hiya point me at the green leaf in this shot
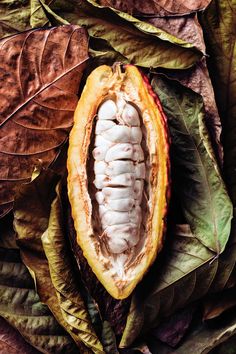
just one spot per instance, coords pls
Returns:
(21, 307)
(38, 217)
(41, 14)
(145, 26)
(14, 16)
(38, 17)
(219, 25)
(187, 265)
(196, 177)
(153, 47)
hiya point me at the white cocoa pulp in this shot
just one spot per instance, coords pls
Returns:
(119, 173)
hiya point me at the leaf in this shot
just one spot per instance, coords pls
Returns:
(38, 215)
(21, 306)
(153, 47)
(202, 340)
(11, 341)
(14, 16)
(219, 24)
(186, 28)
(172, 330)
(227, 347)
(109, 339)
(41, 14)
(198, 80)
(153, 7)
(40, 76)
(38, 17)
(196, 177)
(218, 303)
(197, 77)
(186, 264)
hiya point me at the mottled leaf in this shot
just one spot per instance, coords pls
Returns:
(187, 264)
(21, 306)
(219, 24)
(36, 219)
(196, 177)
(14, 16)
(40, 76)
(153, 47)
(186, 28)
(12, 342)
(154, 7)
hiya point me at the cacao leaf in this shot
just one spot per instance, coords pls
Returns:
(14, 17)
(41, 13)
(219, 24)
(38, 219)
(218, 303)
(196, 78)
(38, 17)
(11, 342)
(146, 27)
(109, 339)
(153, 7)
(21, 306)
(153, 47)
(187, 264)
(196, 177)
(40, 76)
(172, 330)
(200, 340)
(227, 347)
(204, 339)
(186, 28)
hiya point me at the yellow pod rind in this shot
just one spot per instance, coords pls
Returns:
(100, 82)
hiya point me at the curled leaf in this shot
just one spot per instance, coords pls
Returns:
(219, 25)
(20, 306)
(38, 222)
(153, 47)
(40, 76)
(153, 7)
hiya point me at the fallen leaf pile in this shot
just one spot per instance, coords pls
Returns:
(51, 302)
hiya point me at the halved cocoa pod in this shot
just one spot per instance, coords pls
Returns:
(118, 176)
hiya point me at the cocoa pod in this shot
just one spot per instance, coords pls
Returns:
(118, 176)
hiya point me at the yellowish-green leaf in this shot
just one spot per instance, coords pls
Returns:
(141, 43)
(33, 213)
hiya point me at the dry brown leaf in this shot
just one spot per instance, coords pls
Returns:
(154, 7)
(40, 75)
